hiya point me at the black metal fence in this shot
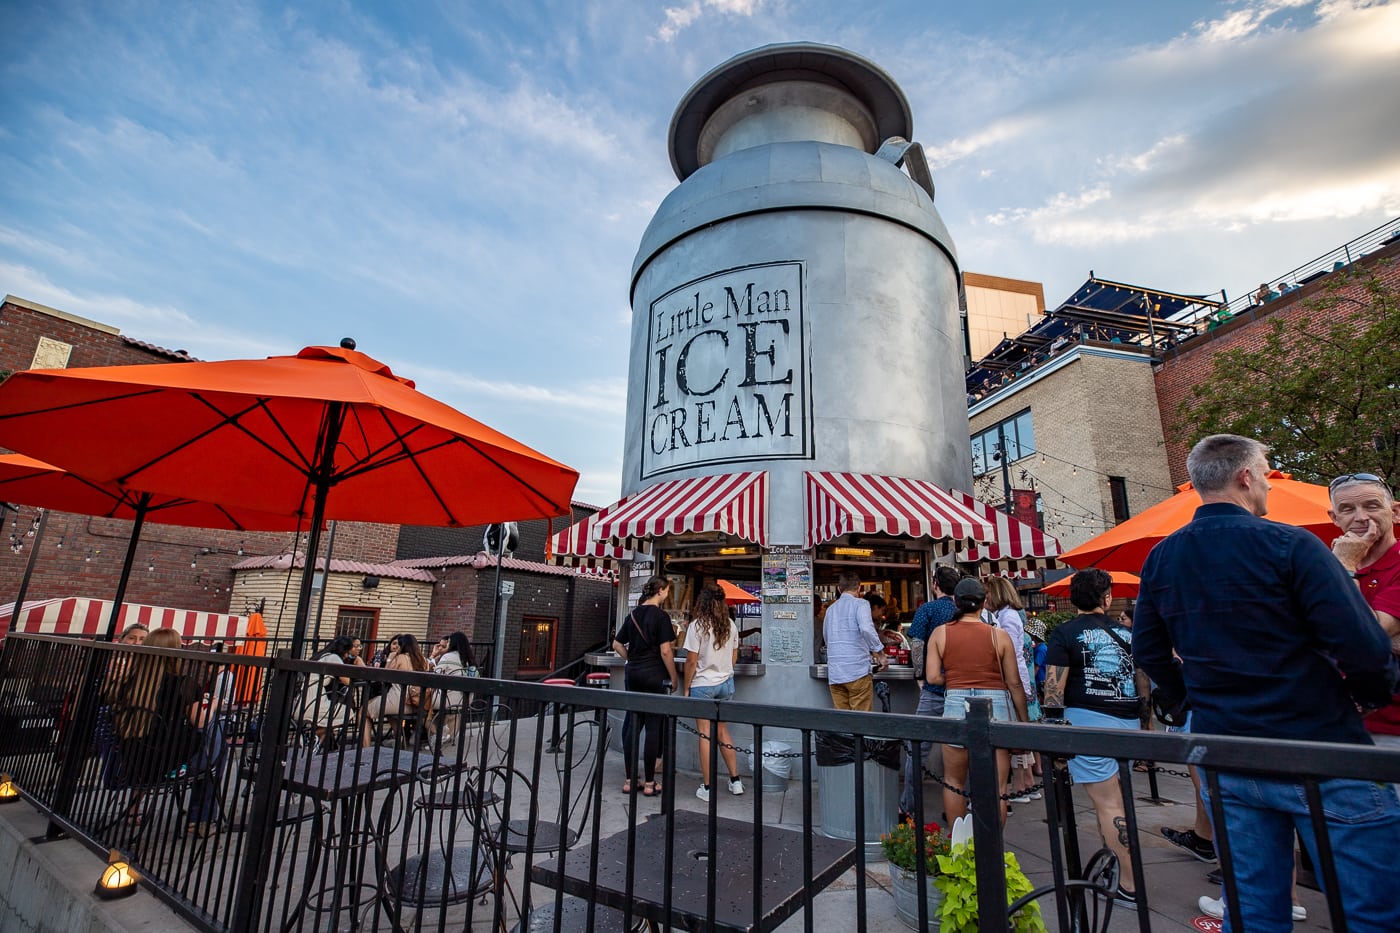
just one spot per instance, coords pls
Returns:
(256, 793)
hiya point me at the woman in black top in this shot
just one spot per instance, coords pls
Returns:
(644, 641)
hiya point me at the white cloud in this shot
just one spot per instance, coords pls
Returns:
(680, 18)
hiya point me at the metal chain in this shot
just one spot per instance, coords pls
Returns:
(1152, 767)
(962, 793)
(742, 751)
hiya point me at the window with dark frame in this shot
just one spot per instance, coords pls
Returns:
(1118, 488)
(1015, 435)
(537, 645)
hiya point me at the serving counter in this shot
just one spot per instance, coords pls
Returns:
(904, 690)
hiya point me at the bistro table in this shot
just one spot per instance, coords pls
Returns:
(345, 781)
(783, 877)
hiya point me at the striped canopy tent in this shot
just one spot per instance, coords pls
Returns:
(576, 547)
(87, 617)
(1018, 547)
(866, 503)
(731, 503)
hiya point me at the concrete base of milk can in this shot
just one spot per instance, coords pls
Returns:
(837, 803)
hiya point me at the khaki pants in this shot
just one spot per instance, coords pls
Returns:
(857, 695)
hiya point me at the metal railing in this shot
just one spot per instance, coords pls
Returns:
(1331, 261)
(271, 812)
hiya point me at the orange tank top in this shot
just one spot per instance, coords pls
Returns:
(970, 657)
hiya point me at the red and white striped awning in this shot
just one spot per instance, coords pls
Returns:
(81, 615)
(576, 547)
(1018, 546)
(842, 503)
(733, 503)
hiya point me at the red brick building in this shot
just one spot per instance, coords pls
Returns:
(1190, 363)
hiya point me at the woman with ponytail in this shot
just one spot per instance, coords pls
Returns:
(644, 642)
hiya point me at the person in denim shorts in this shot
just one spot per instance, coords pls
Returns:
(712, 645)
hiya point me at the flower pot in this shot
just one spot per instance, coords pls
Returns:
(905, 885)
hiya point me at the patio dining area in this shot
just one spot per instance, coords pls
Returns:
(499, 820)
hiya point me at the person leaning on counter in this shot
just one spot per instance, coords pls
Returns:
(852, 644)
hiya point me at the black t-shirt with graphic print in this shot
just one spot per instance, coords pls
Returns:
(1100, 671)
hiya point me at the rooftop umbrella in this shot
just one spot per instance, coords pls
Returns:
(1125, 585)
(735, 596)
(329, 432)
(1125, 546)
(33, 482)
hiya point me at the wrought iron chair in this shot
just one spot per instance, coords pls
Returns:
(1090, 898)
(578, 770)
(450, 855)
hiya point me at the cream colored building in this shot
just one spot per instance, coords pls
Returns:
(374, 601)
(1083, 431)
(998, 307)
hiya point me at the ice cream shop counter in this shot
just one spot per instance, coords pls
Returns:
(904, 690)
(612, 662)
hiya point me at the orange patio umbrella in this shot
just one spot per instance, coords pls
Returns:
(734, 595)
(327, 433)
(248, 680)
(33, 482)
(1125, 546)
(1125, 585)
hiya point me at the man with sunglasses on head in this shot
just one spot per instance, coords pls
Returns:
(1267, 637)
(1364, 508)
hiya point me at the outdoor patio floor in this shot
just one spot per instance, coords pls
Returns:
(1174, 879)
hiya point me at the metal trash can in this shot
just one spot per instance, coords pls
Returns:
(838, 796)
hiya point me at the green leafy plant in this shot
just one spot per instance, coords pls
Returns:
(901, 846)
(957, 880)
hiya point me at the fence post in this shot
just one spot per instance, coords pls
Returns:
(267, 788)
(984, 786)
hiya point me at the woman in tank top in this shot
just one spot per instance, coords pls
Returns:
(973, 659)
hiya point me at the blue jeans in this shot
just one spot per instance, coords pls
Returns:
(930, 704)
(1363, 825)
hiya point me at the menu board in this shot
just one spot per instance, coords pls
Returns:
(784, 638)
(636, 579)
(787, 575)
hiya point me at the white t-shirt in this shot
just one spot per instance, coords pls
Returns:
(713, 666)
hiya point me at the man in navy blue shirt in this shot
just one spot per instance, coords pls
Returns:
(1274, 641)
(929, 616)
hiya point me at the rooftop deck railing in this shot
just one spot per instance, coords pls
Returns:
(268, 811)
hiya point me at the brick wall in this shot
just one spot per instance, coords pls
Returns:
(1192, 362)
(464, 599)
(1093, 417)
(23, 323)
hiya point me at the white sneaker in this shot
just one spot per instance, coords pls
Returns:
(1023, 798)
(1215, 907)
(736, 786)
(1035, 795)
(702, 792)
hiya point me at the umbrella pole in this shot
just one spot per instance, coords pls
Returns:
(321, 476)
(143, 502)
(29, 568)
(325, 585)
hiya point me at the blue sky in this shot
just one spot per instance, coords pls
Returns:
(462, 186)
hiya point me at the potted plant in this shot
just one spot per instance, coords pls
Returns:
(957, 885)
(901, 850)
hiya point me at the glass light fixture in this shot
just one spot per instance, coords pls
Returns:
(118, 879)
(9, 793)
